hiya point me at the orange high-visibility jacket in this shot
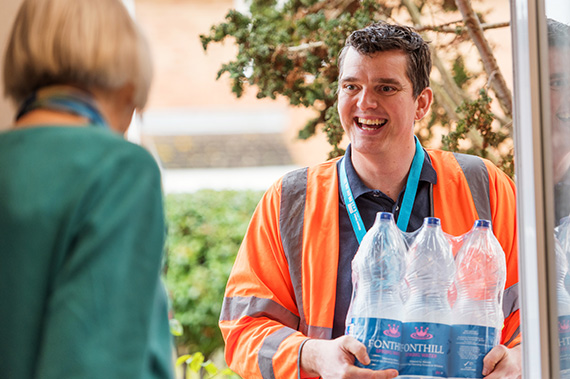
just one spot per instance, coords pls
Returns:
(282, 288)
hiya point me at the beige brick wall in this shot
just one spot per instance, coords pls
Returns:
(185, 74)
(9, 8)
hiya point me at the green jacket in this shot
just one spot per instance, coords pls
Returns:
(81, 244)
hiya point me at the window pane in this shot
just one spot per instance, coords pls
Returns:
(559, 85)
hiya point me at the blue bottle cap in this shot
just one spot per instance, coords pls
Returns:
(482, 224)
(385, 216)
(431, 221)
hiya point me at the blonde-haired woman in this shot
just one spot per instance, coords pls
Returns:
(81, 214)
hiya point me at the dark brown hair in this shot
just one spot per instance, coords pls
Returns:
(558, 33)
(382, 36)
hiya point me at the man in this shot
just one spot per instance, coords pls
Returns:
(287, 297)
(559, 61)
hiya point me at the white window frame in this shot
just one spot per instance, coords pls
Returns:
(535, 208)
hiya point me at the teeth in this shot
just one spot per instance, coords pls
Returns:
(563, 116)
(366, 121)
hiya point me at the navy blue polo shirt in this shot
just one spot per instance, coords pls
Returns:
(562, 198)
(370, 202)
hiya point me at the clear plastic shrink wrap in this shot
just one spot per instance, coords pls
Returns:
(562, 242)
(375, 313)
(433, 331)
(478, 310)
(429, 275)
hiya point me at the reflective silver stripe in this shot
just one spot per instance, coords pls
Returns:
(234, 308)
(510, 305)
(319, 332)
(291, 221)
(268, 350)
(515, 334)
(477, 177)
(511, 300)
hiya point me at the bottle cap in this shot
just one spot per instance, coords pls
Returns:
(482, 224)
(384, 215)
(431, 221)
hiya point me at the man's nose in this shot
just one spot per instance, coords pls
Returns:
(367, 100)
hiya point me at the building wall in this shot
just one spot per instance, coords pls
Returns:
(7, 15)
(185, 75)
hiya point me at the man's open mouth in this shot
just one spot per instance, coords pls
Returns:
(370, 124)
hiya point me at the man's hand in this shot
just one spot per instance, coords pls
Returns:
(503, 363)
(335, 359)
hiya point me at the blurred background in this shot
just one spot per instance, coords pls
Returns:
(218, 153)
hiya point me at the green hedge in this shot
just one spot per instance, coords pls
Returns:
(205, 230)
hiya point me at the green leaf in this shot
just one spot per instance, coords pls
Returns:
(182, 359)
(175, 327)
(210, 368)
(196, 361)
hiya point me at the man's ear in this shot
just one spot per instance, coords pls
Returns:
(423, 103)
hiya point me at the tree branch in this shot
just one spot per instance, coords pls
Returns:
(445, 100)
(305, 46)
(445, 28)
(455, 95)
(337, 6)
(492, 69)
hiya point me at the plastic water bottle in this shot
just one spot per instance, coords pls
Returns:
(375, 313)
(478, 311)
(426, 330)
(561, 246)
(562, 236)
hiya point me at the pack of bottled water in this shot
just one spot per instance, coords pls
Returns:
(422, 310)
(562, 248)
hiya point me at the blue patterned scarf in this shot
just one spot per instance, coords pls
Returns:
(64, 99)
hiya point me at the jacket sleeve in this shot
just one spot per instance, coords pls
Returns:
(503, 209)
(259, 317)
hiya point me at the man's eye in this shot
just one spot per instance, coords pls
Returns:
(559, 83)
(387, 89)
(349, 87)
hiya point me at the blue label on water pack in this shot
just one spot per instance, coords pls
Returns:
(564, 341)
(382, 339)
(425, 349)
(469, 345)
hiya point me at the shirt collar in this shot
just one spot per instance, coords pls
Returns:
(358, 188)
(565, 179)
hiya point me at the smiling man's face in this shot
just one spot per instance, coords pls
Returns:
(559, 64)
(376, 103)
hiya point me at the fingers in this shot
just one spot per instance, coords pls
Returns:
(356, 348)
(363, 373)
(335, 359)
(493, 357)
(388, 374)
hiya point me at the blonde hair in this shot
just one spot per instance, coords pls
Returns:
(84, 43)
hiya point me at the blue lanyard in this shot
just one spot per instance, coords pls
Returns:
(407, 201)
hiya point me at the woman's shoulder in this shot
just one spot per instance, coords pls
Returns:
(75, 148)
